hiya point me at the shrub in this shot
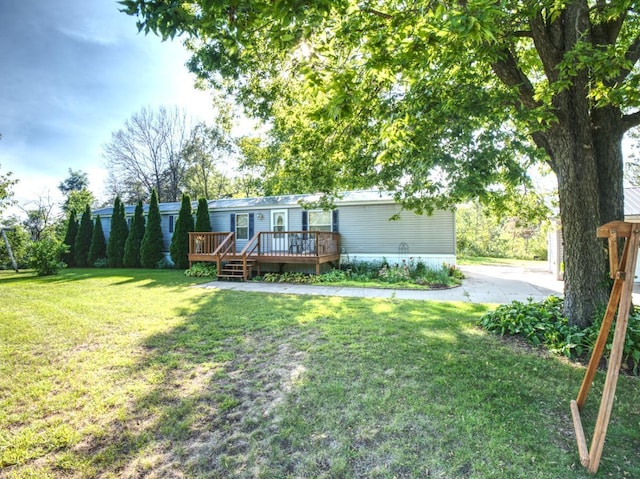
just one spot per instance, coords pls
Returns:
(70, 239)
(202, 270)
(117, 235)
(543, 323)
(151, 245)
(98, 249)
(101, 263)
(179, 247)
(83, 239)
(45, 256)
(132, 245)
(164, 263)
(203, 221)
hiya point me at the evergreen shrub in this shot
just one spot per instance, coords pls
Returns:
(151, 245)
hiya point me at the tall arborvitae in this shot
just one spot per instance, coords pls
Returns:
(83, 239)
(132, 246)
(70, 240)
(151, 246)
(117, 235)
(98, 249)
(179, 247)
(203, 221)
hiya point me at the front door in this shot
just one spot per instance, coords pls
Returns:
(279, 225)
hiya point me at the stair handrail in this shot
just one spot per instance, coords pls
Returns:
(228, 244)
(248, 250)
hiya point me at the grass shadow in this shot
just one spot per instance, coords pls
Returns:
(191, 382)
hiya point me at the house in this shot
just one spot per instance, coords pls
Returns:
(555, 242)
(277, 232)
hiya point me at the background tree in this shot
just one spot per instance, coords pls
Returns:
(258, 168)
(6, 183)
(98, 248)
(76, 181)
(205, 153)
(70, 239)
(147, 153)
(203, 220)
(40, 217)
(117, 235)
(75, 189)
(440, 102)
(19, 239)
(151, 245)
(83, 239)
(132, 245)
(179, 247)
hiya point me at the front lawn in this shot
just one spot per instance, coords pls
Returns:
(126, 373)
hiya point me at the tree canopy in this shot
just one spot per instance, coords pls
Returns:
(438, 101)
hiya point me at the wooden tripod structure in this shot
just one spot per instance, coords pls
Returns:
(623, 273)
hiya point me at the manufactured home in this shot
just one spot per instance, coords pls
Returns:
(278, 233)
(556, 245)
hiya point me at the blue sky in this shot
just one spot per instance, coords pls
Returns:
(71, 73)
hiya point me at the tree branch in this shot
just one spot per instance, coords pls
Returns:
(631, 120)
(377, 13)
(508, 71)
(549, 53)
(632, 55)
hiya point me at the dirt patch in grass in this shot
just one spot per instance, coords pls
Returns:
(209, 420)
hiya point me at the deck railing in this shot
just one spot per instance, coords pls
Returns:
(269, 245)
(293, 243)
(205, 243)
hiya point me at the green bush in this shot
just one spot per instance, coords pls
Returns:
(98, 248)
(83, 239)
(45, 256)
(202, 270)
(117, 235)
(543, 324)
(101, 263)
(132, 245)
(70, 239)
(151, 245)
(203, 221)
(179, 247)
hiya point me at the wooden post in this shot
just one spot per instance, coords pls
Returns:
(620, 299)
(9, 250)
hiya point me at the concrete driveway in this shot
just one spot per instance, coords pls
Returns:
(483, 284)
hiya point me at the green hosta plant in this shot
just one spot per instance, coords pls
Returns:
(544, 324)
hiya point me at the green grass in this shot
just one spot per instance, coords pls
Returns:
(123, 373)
(488, 261)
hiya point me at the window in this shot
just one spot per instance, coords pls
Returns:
(242, 226)
(319, 220)
(171, 224)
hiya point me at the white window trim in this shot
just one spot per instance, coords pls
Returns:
(238, 215)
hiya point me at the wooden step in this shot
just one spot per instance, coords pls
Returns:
(234, 269)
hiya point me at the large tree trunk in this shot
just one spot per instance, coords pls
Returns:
(607, 139)
(584, 259)
(575, 159)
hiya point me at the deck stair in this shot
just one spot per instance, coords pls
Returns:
(233, 270)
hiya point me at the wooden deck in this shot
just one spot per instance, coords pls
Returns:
(287, 247)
